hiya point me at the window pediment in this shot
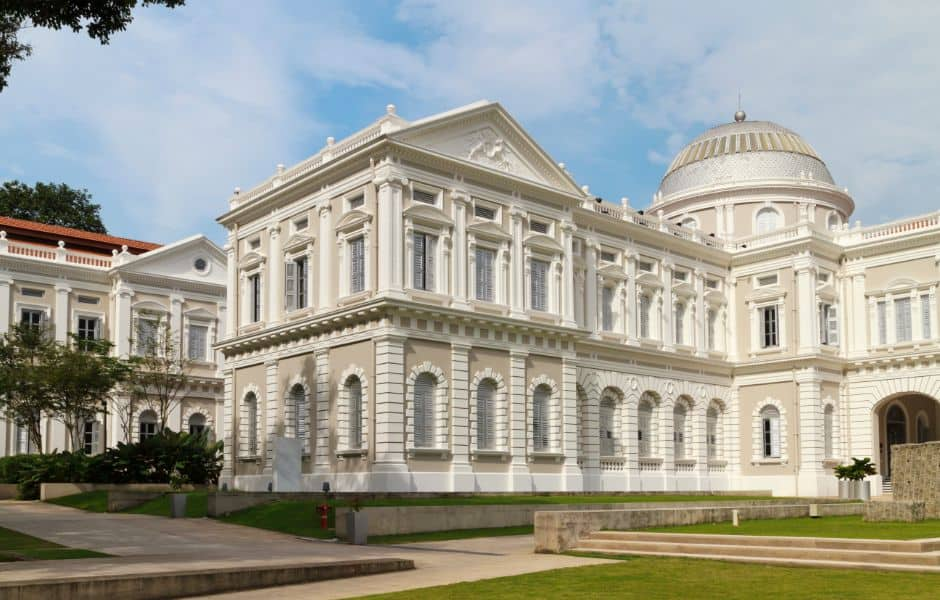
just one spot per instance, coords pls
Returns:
(714, 297)
(251, 260)
(612, 272)
(684, 289)
(826, 292)
(489, 230)
(199, 314)
(649, 280)
(353, 220)
(297, 242)
(538, 241)
(773, 292)
(429, 215)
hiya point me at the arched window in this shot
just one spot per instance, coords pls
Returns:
(608, 440)
(644, 316)
(541, 401)
(250, 424)
(90, 437)
(424, 389)
(923, 429)
(828, 425)
(679, 432)
(689, 222)
(197, 424)
(486, 415)
(644, 432)
(833, 222)
(711, 432)
(767, 220)
(148, 424)
(770, 432)
(354, 423)
(298, 404)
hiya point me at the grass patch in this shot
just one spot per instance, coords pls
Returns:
(851, 526)
(19, 546)
(196, 503)
(296, 517)
(90, 501)
(456, 534)
(494, 500)
(668, 578)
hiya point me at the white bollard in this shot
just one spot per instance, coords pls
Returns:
(735, 521)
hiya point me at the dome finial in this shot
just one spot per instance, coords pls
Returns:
(740, 115)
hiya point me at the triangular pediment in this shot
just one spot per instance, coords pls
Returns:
(648, 280)
(489, 230)
(352, 220)
(487, 136)
(195, 258)
(612, 271)
(538, 241)
(428, 214)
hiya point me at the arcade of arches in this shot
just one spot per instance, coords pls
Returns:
(904, 419)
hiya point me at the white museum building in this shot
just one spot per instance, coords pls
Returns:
(97, 286)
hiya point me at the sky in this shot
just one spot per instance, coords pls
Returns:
(187, 104)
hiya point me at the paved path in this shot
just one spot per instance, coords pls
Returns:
(143, 544)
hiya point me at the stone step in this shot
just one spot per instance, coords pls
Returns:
(717, 550)
(923, 545)
(781, 562)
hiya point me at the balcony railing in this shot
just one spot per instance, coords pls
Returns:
(61, 254)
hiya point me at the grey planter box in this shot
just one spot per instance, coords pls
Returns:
(357, 527)
(864, 490)
(178, 505)
(845, 491)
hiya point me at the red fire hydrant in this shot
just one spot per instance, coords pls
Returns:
(324, 510)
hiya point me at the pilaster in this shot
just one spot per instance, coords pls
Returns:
(6, 289)
(231, 287)
(391, 234)
(176, 322)
(321, 452)
(122, 320)
(460, 402)
(517, 274)
(519, 472)
(461, 202)
(590, 306)
(272, 401)
(275, 276)
(806, 308)
(327, 251)
(228, 425)
(567, 231)
(632, 307)
(811, 444)
(569, 425)
(62, 312)
(390, 469)
(667, 335)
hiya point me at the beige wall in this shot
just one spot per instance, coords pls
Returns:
(362, 355)
(536, 365)
(755, 397)
(920, 270)
(253, 375)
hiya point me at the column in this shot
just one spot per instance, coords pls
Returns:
(633, 310)
(666, 334)
(176, 324)
(61, 315)
(327, 249)
(272, 403)
(591, 465)
(461, 203)
(517, 276)
(730, 431)
(567, 232)
(231, 288)
(275, 281)
(700, 315)
(122, 319)
(519, 472)
(6, 287)
(321, 451)
(590, 301)
(228, 426)
(860, 315)
(390, 472)
(391, 235)
(731, 322)
(221, 331)
(811, 428)
(460, 403)
(806, 308)
(572, 480)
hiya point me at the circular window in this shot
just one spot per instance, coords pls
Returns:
(200, 264)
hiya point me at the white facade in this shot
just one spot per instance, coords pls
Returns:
(78, 286)
(451, 312)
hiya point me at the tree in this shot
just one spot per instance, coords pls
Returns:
(82, 376)
(160, 375)
(25, 353)
(52, 204)
(100, 19)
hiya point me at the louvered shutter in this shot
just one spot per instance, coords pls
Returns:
(539, 271)
(486, 393)
(95, 436)
(418, 262)
(680, 323)
(354, 390)
(290, 285)
(301, 282)
(300, 413)
(645, 420)
(925, 316)
(357, 277)
(832, 325)
(484, 261)
(540, 418)
(775, 435)
(430, 262)
(424, 411)
(606, 429)
(608, 309)
(644, 316)
(882, 322)
(902, 319)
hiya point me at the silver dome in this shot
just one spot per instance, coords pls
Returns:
(740, 152)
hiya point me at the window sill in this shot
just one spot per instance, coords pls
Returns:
(251, 327)
(488, 307)
(688, 462)
(768, 461)
(684, 348)
(717, 354)
(650, 342)
(542, 316)
(248, 459)
(298, 313)
(429, 296)
(429, 453)
(200, 362)
(352, 453)
(768, 350)
(502, 455)
(353, 298)
(717, 463)
(542, 456)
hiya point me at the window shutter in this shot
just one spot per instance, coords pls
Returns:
(902, 319)
(925, 316)
(418, 262)
(430, 262)
(643, 429)
(485, 417)
(775, 436)
(357, 277)
(540, 418)
(644, 316)
(424, 411)
(290, 285)
(301, 286)
(833, 326)
(95, 436)
(679, 324)
(882, 322)
(608, 309)
(354, 390)
(484, 261)
(539, 271)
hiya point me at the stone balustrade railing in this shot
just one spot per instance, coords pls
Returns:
(61, 254)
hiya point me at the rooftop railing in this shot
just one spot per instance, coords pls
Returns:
(61, 254)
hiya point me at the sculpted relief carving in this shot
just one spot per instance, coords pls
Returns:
(488, 149)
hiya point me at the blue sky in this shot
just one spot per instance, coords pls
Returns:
(185, 105)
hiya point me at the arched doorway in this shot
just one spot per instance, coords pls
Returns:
(904, 419)
(895, 433)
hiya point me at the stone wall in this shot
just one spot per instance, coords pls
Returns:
(915, 472)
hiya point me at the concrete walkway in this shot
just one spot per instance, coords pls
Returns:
(146, 544)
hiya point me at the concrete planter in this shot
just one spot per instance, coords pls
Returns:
(844, 489)
(178, 505)
(357, 527)
(864, 490)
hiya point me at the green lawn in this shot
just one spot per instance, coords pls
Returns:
(669, 578)
(19, 546)
(834, 527)
(456, 534)
(490, 500)
(91, 501)
(296, 517)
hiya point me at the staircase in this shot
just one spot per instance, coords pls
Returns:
(885, 486)
(892, 555)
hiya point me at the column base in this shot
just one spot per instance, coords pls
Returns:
(391, 477)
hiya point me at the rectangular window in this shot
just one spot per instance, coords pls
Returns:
(357, 202)
(33, 292)
(766, 280)
(254, 243)
(90, 436)
(295, 284)
(608, 257)
(147, 336)
(646, 266)
(89, 329)
(925, 316)
(607, 320)
(425, 197)
(538, 227)
(711, 284)
(301, 224)
(357, 265)
(644, 316)
(680, 324)
(88, 300)
(882, 322)
(32, 317)
(902, 320)
(828, 325)
(254, 291)
(484, 212)
(425, 250)
(680, 276)
(198, 342)
(539, 285)
(712, 318)
(484, 276)
(769, 327)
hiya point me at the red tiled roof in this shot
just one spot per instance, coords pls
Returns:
(54, 233)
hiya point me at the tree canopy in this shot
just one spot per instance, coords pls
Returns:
(99, 18)
(51, 203)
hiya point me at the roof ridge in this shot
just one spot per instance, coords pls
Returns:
(76, 233)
